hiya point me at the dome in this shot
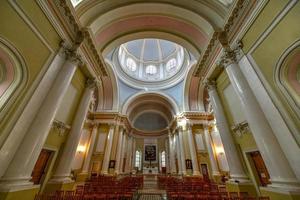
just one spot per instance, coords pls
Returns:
(150, 59)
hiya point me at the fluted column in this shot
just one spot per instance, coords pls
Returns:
(192, 148)
(90, 150)
(107, 152)
(178, 153)
(119, 150)
(128, 155)
(63, 170)
(211, 154)
(182, 151)
(235, 166)
(20, 169)
(171, 153)
(281, 174)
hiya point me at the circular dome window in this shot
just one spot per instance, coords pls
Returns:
(131, 64)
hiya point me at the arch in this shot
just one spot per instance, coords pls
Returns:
(110, 90)
(14, 75)
(184, 42)
(154, 96)
(287, 78)
(192, 91)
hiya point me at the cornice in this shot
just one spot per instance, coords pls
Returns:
(241, 10)
(63, 19)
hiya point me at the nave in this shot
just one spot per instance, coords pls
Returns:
(148, 187)
(138, 99)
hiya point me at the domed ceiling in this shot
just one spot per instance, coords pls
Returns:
(150, 59)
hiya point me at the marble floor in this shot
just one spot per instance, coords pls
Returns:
(150, 190)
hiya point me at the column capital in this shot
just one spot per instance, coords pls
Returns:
(70, 52)
(90, 83)
(210, 84)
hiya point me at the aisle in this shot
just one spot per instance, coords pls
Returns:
(150, 189)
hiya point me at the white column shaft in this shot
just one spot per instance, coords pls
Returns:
(178, 150)
(193, 152)
(20, 128)
(107, 152)
(211, 154)
(182, 151)
(123, 153)
(235, 166)
(90, 150)
(63, 170)
(21, 167)
(119, 151)
(172, 155)
(274, 158)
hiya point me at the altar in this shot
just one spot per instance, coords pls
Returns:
(150, 170)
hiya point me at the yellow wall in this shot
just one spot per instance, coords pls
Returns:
(267, 54)
(24, 38)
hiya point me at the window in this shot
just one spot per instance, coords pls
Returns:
(151, 70)
(171, 64)
(163, 159)
(75, 2)
(138, 159)
(130, 64)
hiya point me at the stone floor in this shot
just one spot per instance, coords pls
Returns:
(150, 190)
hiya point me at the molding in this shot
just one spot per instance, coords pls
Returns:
(240, 128)
(61, 127)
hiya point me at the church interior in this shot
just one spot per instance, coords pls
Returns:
(149, 99)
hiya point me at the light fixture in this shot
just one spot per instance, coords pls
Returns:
(81, 148)
(219, 150)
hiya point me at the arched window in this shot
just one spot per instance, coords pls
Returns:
(138, 159)
(151, 69)
(163, 159)
(171, 65)
(130, 64)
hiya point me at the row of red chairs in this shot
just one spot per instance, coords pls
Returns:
(196, 188)
(99, 188)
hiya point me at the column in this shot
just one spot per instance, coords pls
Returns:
(123, 152)
(107, 152)
(128, 155)
(20, 169)
(63, 170)
(212, 158)
(87, 160)
(235, 166)
(192, 148)
(182, 151)
(281, 174)
(27, 116)
(119, 150)
(178, 153)
(132, 163)
(172, 154)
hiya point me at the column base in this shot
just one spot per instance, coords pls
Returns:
(22, 192)
(53, 186)
(197, 173)
(82, 177)
(279, 193)
(241, 187)
(217, 178)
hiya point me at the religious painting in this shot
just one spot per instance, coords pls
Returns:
(112, 164)
(188, 163)
(150, 153)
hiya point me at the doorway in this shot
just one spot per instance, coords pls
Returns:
(41, 166)
(204, 171)
(260, 168)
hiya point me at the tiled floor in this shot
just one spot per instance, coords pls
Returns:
(150, 190)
